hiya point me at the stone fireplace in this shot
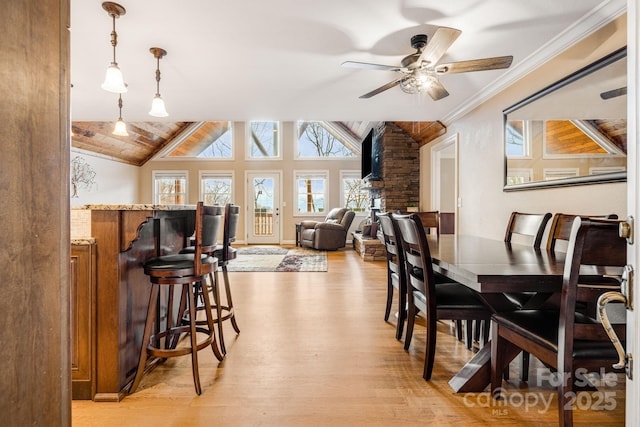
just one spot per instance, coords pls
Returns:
(398, 187)
(400, 183)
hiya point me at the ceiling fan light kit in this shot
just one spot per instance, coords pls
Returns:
(421, 69)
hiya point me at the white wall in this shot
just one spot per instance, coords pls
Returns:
(115, 182)
(485, 208)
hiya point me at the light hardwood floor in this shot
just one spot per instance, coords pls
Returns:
(315, 351)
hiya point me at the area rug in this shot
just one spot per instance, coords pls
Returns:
(278, 258)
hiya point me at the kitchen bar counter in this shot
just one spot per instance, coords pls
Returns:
(138, 207)
(125, 236)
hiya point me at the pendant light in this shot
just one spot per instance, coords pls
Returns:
(120, 128)
(114, 81)
(157, 105)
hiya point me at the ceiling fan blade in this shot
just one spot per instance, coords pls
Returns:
(484, 64)
(613, 93)
(438, 45)
(437, 91)
(381, 89)
(369, 66)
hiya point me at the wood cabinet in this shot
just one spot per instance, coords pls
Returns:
(82, 286)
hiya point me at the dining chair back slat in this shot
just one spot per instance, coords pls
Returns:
(566, 339)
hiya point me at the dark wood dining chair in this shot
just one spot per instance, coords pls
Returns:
(560, 228)
(396, 277)
(530, 228)
(188, 271)
(451, 301)
(563, 338)
(430, 221)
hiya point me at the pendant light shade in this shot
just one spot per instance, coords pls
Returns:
(114, 81)
(120, 128)
(157, 105)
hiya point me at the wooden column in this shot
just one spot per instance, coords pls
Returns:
(34, 218)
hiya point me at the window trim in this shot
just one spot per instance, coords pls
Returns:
(167, 173)
(327, 128)
(248, 141)
(162, 155)
(204, 174)
(351, 174)
(299, 173)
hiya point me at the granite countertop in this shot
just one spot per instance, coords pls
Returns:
(83, 241)
(138, 207)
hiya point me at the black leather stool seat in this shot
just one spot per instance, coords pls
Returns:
(178, 264)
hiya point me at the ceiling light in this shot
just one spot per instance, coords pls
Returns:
(120, 128)
(417, 82)
(157, 105)
(113, 80)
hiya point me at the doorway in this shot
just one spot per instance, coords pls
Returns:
(444, 182)
(263, 202)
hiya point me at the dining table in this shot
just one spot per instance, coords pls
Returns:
(492, 267)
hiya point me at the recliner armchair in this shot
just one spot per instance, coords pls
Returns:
(330, 234)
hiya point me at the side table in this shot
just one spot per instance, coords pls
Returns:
(298, 231)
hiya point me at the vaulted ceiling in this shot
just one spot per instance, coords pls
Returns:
(281, 60)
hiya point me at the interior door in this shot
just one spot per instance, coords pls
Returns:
(263, 202)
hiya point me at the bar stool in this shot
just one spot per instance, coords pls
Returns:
(223, 253)
(226, 253)
(188, 271)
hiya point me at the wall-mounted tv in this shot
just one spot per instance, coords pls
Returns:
(371, 161)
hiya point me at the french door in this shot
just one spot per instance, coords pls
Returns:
(263, 202)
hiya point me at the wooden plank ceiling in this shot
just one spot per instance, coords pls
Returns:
(146, 139)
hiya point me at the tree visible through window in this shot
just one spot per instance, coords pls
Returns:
(264, 140)
(354, 196)
(216, 189)
(170, 188)
(314, 140)
(311, 190)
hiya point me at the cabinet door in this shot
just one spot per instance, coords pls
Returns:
(82, 293)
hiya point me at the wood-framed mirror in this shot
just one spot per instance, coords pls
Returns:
(573, 132)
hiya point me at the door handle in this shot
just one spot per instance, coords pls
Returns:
(625, 360)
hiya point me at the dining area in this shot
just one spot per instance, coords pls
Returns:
(526, 298)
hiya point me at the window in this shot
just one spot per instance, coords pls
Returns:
(170, 187)
(517, 139)
(550, 174)
(216, 188)
(317, 140)
(264, 140)
(204, 140)
(310, 191)
(519, 176)
(352, 192)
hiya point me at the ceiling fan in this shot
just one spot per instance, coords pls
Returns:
(614, 93)
(420, 70)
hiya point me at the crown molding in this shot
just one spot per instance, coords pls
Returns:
(597, 18)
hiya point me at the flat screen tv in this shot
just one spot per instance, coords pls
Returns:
(371, 160)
